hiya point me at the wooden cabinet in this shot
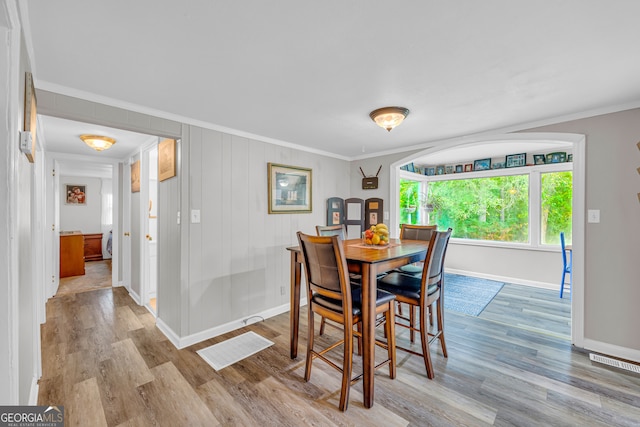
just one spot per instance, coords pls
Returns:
(71, 254)
(93, 247)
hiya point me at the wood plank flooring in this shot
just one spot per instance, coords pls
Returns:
(107, 363)
(97, 275)
(531, 308)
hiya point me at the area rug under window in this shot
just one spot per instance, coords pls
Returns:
(469, 295)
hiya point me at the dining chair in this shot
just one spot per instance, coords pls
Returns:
(422, 292)
(335, 230)
(566, 264)
(331, 295)
(414, 232)
(332, 230)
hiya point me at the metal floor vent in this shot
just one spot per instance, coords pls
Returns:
(615, 363)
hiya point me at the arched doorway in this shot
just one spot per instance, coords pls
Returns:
(577, 143)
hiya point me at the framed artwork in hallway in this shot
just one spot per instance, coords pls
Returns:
(76, 194)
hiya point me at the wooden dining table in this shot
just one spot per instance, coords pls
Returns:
(368, 262)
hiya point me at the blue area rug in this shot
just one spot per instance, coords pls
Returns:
(469, 295)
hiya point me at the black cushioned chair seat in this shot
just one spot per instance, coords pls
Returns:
(404, 285)
(382, 297)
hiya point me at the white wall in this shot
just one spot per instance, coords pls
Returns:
(18, 319)
(237, 263)
(85, 218)
(9, 66)
(612, 250)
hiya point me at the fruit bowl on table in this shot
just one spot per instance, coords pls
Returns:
(376, 235)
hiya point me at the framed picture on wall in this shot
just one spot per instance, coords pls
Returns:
(30, 115)
(135, 177)
(166, 159)
(76, 194)
(289, 189)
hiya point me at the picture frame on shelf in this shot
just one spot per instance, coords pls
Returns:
(411, 168)
(458, 168)
(431, 171)
(515, 160)
(468, 167)
(440, 170)
(289, 189)
(569, 157)
(557, 157)
(449, 169)
(482, 165)
(497, 165)
(539, 159)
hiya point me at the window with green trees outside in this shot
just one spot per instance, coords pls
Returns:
(555, 210)
(494, 208)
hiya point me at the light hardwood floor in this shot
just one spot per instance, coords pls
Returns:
(97, 275)
(107, 363)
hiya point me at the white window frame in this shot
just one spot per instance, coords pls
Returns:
(535, 207)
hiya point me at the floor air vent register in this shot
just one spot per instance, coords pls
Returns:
(614, 362)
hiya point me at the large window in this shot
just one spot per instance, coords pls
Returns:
(529, 205)
(555, 207)
(495, 208)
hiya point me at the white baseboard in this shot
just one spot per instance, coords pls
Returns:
(168, 332)
(182, 342)
(612, 350)
(543, 285)
(135, 296)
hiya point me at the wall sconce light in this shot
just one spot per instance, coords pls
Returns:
(389, 117)
(98, 142)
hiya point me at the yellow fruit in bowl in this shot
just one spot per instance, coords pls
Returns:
(375, 240)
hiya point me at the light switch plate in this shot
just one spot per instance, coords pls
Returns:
(195, 216)
(593, 215)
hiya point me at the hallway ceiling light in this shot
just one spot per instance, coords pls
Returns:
(98, 142)
(389, 117)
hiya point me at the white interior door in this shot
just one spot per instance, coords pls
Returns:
(125, 233)
(150, 216)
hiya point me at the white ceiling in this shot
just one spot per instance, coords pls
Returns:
(309, 73)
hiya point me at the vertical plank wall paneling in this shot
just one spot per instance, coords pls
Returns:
(196, 255)
(170, 301)
(238, 261)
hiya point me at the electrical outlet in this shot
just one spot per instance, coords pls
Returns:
(282, 290)
(593, 216)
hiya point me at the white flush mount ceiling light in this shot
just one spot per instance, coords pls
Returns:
(389, 117)
(98, 142)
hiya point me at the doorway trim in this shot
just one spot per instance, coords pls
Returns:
(52, 263)
(578, 142)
